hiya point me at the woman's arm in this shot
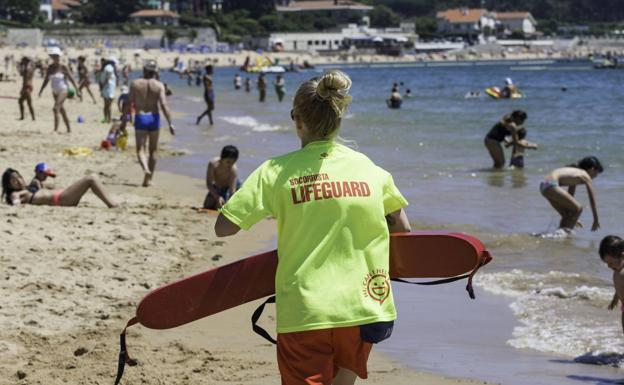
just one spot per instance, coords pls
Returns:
(513, 129)
(398, 222)
(224, 227)
(45, 81)
(592, 202)
(15, 199)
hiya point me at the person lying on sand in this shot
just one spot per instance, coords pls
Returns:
(15, 192)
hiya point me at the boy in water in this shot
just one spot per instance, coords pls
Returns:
(517, 154)
(222, 178)
(611, 252)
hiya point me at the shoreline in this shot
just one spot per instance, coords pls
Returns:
(165, 59)
(75, 275)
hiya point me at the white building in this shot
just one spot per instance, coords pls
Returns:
(470, 23)
(55, 11)
(522, 22)
(331, 41)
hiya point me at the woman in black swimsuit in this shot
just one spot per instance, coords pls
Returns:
(508, 125)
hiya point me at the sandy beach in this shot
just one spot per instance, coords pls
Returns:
(72, 276)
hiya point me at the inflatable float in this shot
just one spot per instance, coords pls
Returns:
(496, 93)
(412, 255)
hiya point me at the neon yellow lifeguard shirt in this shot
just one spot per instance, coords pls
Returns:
(330, 203)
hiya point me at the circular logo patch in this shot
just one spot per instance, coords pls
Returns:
(377, 286)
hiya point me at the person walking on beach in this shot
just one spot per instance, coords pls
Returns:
(262, 86)
(58, 74)
(563, 201)
(507, 126)
(27, 72)
(327, 259)
(280, 87)
(147, 95)
(247, 85)
(15, 192)
(209, 96)
(83, 78)
(108, 81)
(238, 82)
(611, 251)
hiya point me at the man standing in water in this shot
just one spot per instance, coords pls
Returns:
(146, 95)
(262, 85)
(209, 96)
(26, 71)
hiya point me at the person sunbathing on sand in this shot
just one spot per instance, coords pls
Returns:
(15, 192)
(563, 201)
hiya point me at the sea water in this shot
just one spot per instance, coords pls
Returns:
(548, 294)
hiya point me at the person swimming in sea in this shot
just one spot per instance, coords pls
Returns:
(16, 192)
(552, 188)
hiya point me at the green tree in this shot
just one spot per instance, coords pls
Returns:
(256, 8)
(383, 16)
(23, 11)
(171, 35)
(106, 11)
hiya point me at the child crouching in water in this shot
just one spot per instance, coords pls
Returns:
(552, 188)
(222, 178)
(517, 153)
(611, 252)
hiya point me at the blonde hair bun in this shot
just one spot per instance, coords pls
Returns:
(333, 87)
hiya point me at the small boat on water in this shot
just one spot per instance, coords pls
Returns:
(608, 62)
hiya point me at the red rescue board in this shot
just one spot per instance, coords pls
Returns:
(412, 255)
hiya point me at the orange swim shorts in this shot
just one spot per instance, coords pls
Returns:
(314, 357)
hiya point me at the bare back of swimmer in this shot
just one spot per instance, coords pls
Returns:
(148, 96)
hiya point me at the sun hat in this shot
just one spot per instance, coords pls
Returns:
(508, 81)
(150, 65)
(55, 51)
(124, 89)
(113, 59)
(42, 167)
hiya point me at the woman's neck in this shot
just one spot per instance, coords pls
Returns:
(307, 140)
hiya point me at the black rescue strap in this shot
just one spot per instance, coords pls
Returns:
(264, 334)
(256, 316)
(124, 358)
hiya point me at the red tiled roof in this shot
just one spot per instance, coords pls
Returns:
(323, 5)
(512, 15)
(154, 13)
(462, 15)
(64, 5)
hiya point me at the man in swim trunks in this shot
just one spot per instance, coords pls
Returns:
(611, 251)
(147, 95)
(209, 96)
(26, 71)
